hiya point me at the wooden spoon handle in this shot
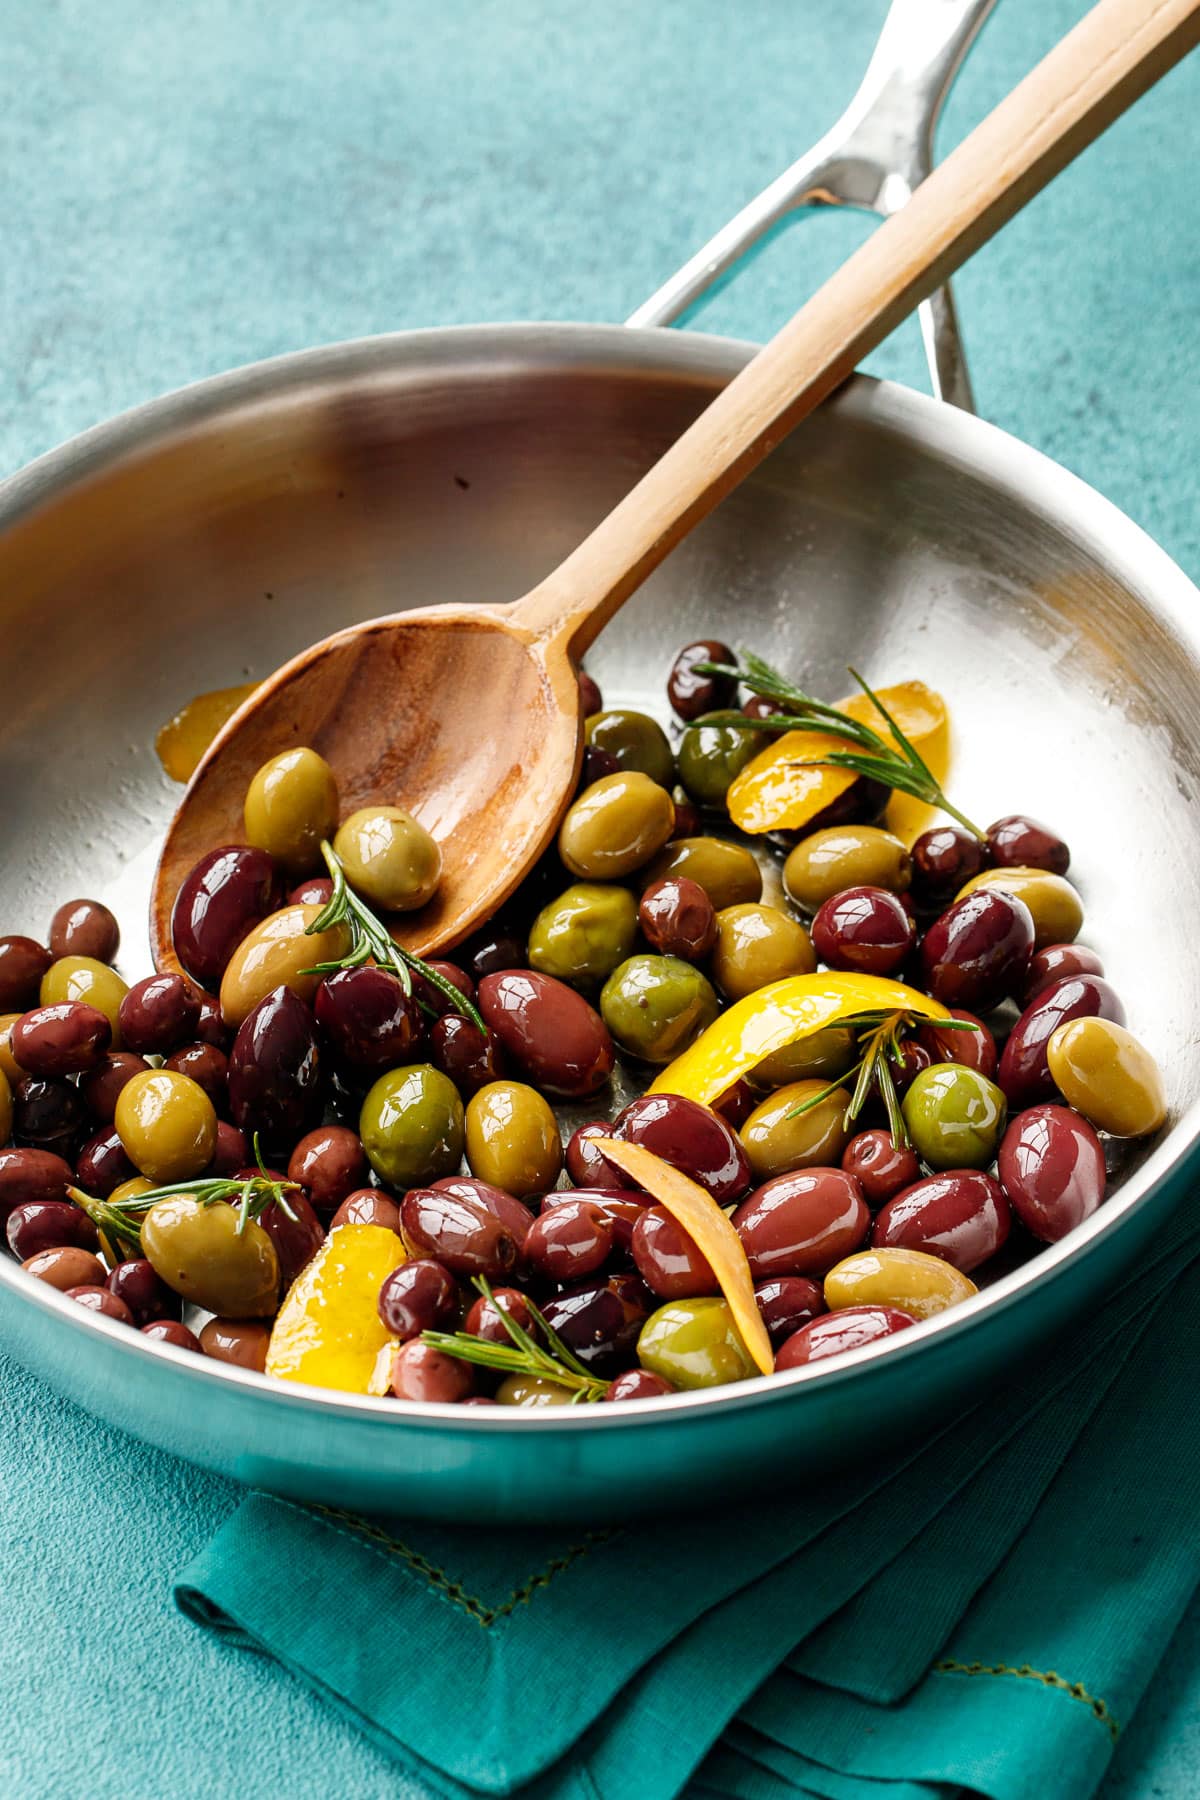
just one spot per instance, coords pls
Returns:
(1117, 51)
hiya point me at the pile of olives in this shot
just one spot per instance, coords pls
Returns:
(437, 1107)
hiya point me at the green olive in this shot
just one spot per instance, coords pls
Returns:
(1107, 1075)
(1055, 906)
(845, 856)
(655, 1006)
(278, 953)
(83, 978)
(584, 934)
(129, 1190)
(695, 1344)
(531, 1390)
(727, 872)
(955, 1116)
(822, 1056)
(167, 1125)
(776, 1142)
(756, 945)
(635, 741)
(6, 1110)
(291, 804)
(711, 754)
(615, 825)
(205, 1254)
(512, 1139)
(411, 1126)
(389, 858)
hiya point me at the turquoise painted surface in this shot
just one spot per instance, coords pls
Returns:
(191, 186)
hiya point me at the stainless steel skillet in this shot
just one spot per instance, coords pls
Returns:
(222, 528)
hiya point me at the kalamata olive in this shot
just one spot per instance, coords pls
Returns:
(515, 1217)
(878, 1166)
(692, 693)
(458, 1232)
(459, 1049)
(1054, 962)
(758, 706)
(590, 698)
(101, 1086)
(667, 1259)
(275, 1071)
(31, 1175)
(586, 1165)
(48, 1114)
(329, 1163)
(1024, 1072)
(370, 1022)
(207, 1066)
(549, 1030)
(1051, 1166)
(242, 1342)
(421, 1373)
(45, 1224)
(231, 1152)
(98, 1299)
(222, 898)
(943, 858)
(173, 1331)
(66, 1266)
(493, 950)
(60, 1040)
(835, 1333)
(420, 1295)
(637, 1384)
(688, 823)
(801, 1224)
(977, 952)
(695, 1343)
(296, 1238)
(800, 1126)
(428, 995)
(570, 1241)
(85, 928)
(1054, 905)
(786, 1302)
(914, 1060)
(159, 1014)
(600, 1322)
(210, 1028)
(23, 962)
(864, 929)
(974, 1049)
(206, 1254)
(691, 1138)
(678, 918)
(389, 857)
(314, 890)
(736, 1104)
(368, 1206)
(290, 805)
(102, 1165)
(1022, 843)
(960, 1215)
(597, 763)
(911, 1280)
(621, 1208)
(147, 1298)
(484, 1318)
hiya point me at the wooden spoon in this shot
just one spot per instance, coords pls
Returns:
(470, 716)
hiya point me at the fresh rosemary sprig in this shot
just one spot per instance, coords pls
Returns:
(370, 938)
(881, 1044)
(897, 765)
(121, 1220)
(521, 1356)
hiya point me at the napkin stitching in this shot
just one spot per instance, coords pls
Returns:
(1048, 1677)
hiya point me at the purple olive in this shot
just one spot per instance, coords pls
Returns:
(736, 1104)
(637, 1384)
(678, 919)
(147, 1298)
(1020, 843)
(914, 1057)
(458, 1232)
(102, 1165)
(880, 1169)
(864, 929)
(419, 1296)
(98, 1299)
(1051, 1166)
(48, 1225)
(208, 1068)
(85, 928)
(1024, 1073)
(600, 1322)
(688, 822)
(672, 1266)
(972, 1049)
(368, 1206)
(67, 1039)
(944, 859)
(31, 1175)
(232, 1150)
(329, 1163)
(314, 890)
(221, 900)
(569, 1241)
(802, 1223)
(692, 693)
(370, 1022)
(692, 1138)
(515, 1217)
(977, 952)
(210, 1027)
(836, 1332)
(493, 950)
(172, 1331)
(427, 995)
(586, 1165)
(296, 1238)
(23, 962)
(159, 1014)
(1054, 961)
(597, 763)
(786, 1302)
(484, 1319)
(550, 1031)
(960, 1215)
(459, 1049)
(49, 1114)
(430, 1376)
(620, 1207)
(101, 1086)
(275, 1071)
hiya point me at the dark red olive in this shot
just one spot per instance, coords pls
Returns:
(1055, 961)
(370, 1022)
(835, 1333)
(23, 962)
(736, 1104)
(1020, 843)
(419, 1296)
(590, 698)
(232, 1150)
(558, 1040)
(692, 693)
(242, 1342)
(102, 1165)
(977, 952)
(669, 1262)
(637, 1384)
(493, 950)
(677, 918)
(98, 1299)
(1024, 1073)
(46, 1225)
(210, 1027)
(802, 1223)
(569, 1241)
(586, 1165)
(85, 928)
(159, 1014)
(296, 1236)
(863, 929)
(329, 1163)
(600, 1322)
(65, 1039)
(758, 706)
(421, 1373)
(144, 1294)
(221, 900)
(275, 1071)
(974, 1049)
(66, 1266)
(1051, 1166)
(597, 763)
(173, 1331)
(620, 1207)
(459, 1232)
(786, 1302)
(913, 1058)
(49, 1114)
(208, 1068)
(367, 1206)
(515, 1217)
(31, 1175)
(691, 1138)
(687, 816)
(101, 1086)
(960, 1215)
(878, 1166)
(432, 997)
(944, 859)
(316, 890)
(484, 1319)
(459, 1049)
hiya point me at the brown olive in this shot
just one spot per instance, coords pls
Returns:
(329, 1163)
(367, 1206)
(85, 928)
(692, 693)
(103, 1084)
(61, 1040)
(243, 1342)
(677, 919)
(549, 1030)
(66, 1266)
(23, 962)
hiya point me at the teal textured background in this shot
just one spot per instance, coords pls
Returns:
(191, 186)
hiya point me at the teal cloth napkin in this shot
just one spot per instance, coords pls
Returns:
(985, 1609)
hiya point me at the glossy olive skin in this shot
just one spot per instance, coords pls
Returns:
(1017, 841)
(45, 1224)
(590, 698)
(777, 1144)
(223, 897)
(459, 1233)
(678, 919)
(943, 858)
(65, 1267)
(430, 1376)
(955, 1116)
(242, 1342)
(147, 1298)
(1054, 905)
(314, 890)
(569, 1241)
(291, 804)
(600, 1321)
(736, 1104)
(60, 1040)
(200, 1253)
(485, 1319)
(910, 1280)
(615, 826)
(621, 1208)
(232, 1150)
(368, 1206)
(512, 1213)
(98, 1299)
(824, 1055)
(586, 1166)
(637, 1384)
(279, 952)
(687, 815)
(427, 994)
(692, 693)
(756, 945)
(803, 1223)
(667, 1259)
(962, 1216)
(727, 872)
(711, 753)
(84, 928)
(864, 929)
(977, 952)
(102, 1165)
(296, 1234)
(419, 1296)
(1024, 1072)
(30, 1174)
(974, 1049)
(209, 1026)
(692, 1138)
(411, 1126)
(583, 934)
(460, 1050)
(48, 1114)
(1051, 1166)
(275, 1071)
(207, 1066)
(1054, 962)
(914, 1059)
(159, 1014)
(655, 1006)
(23, 962)
(499, 946)
(835, 1333)
(84, 978)
(694, 1344)
(512, 1138)
(530, 1391)
(329, 1162)
(173, 1331)
(367, 1018)
(101, 1086)
(1102, 1070)
(786, 1302)
(549, 1030)
(844, 856)
(6, 1108)
(636, 741)
(10, 1068)
(880, 1169)
(389, 858)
